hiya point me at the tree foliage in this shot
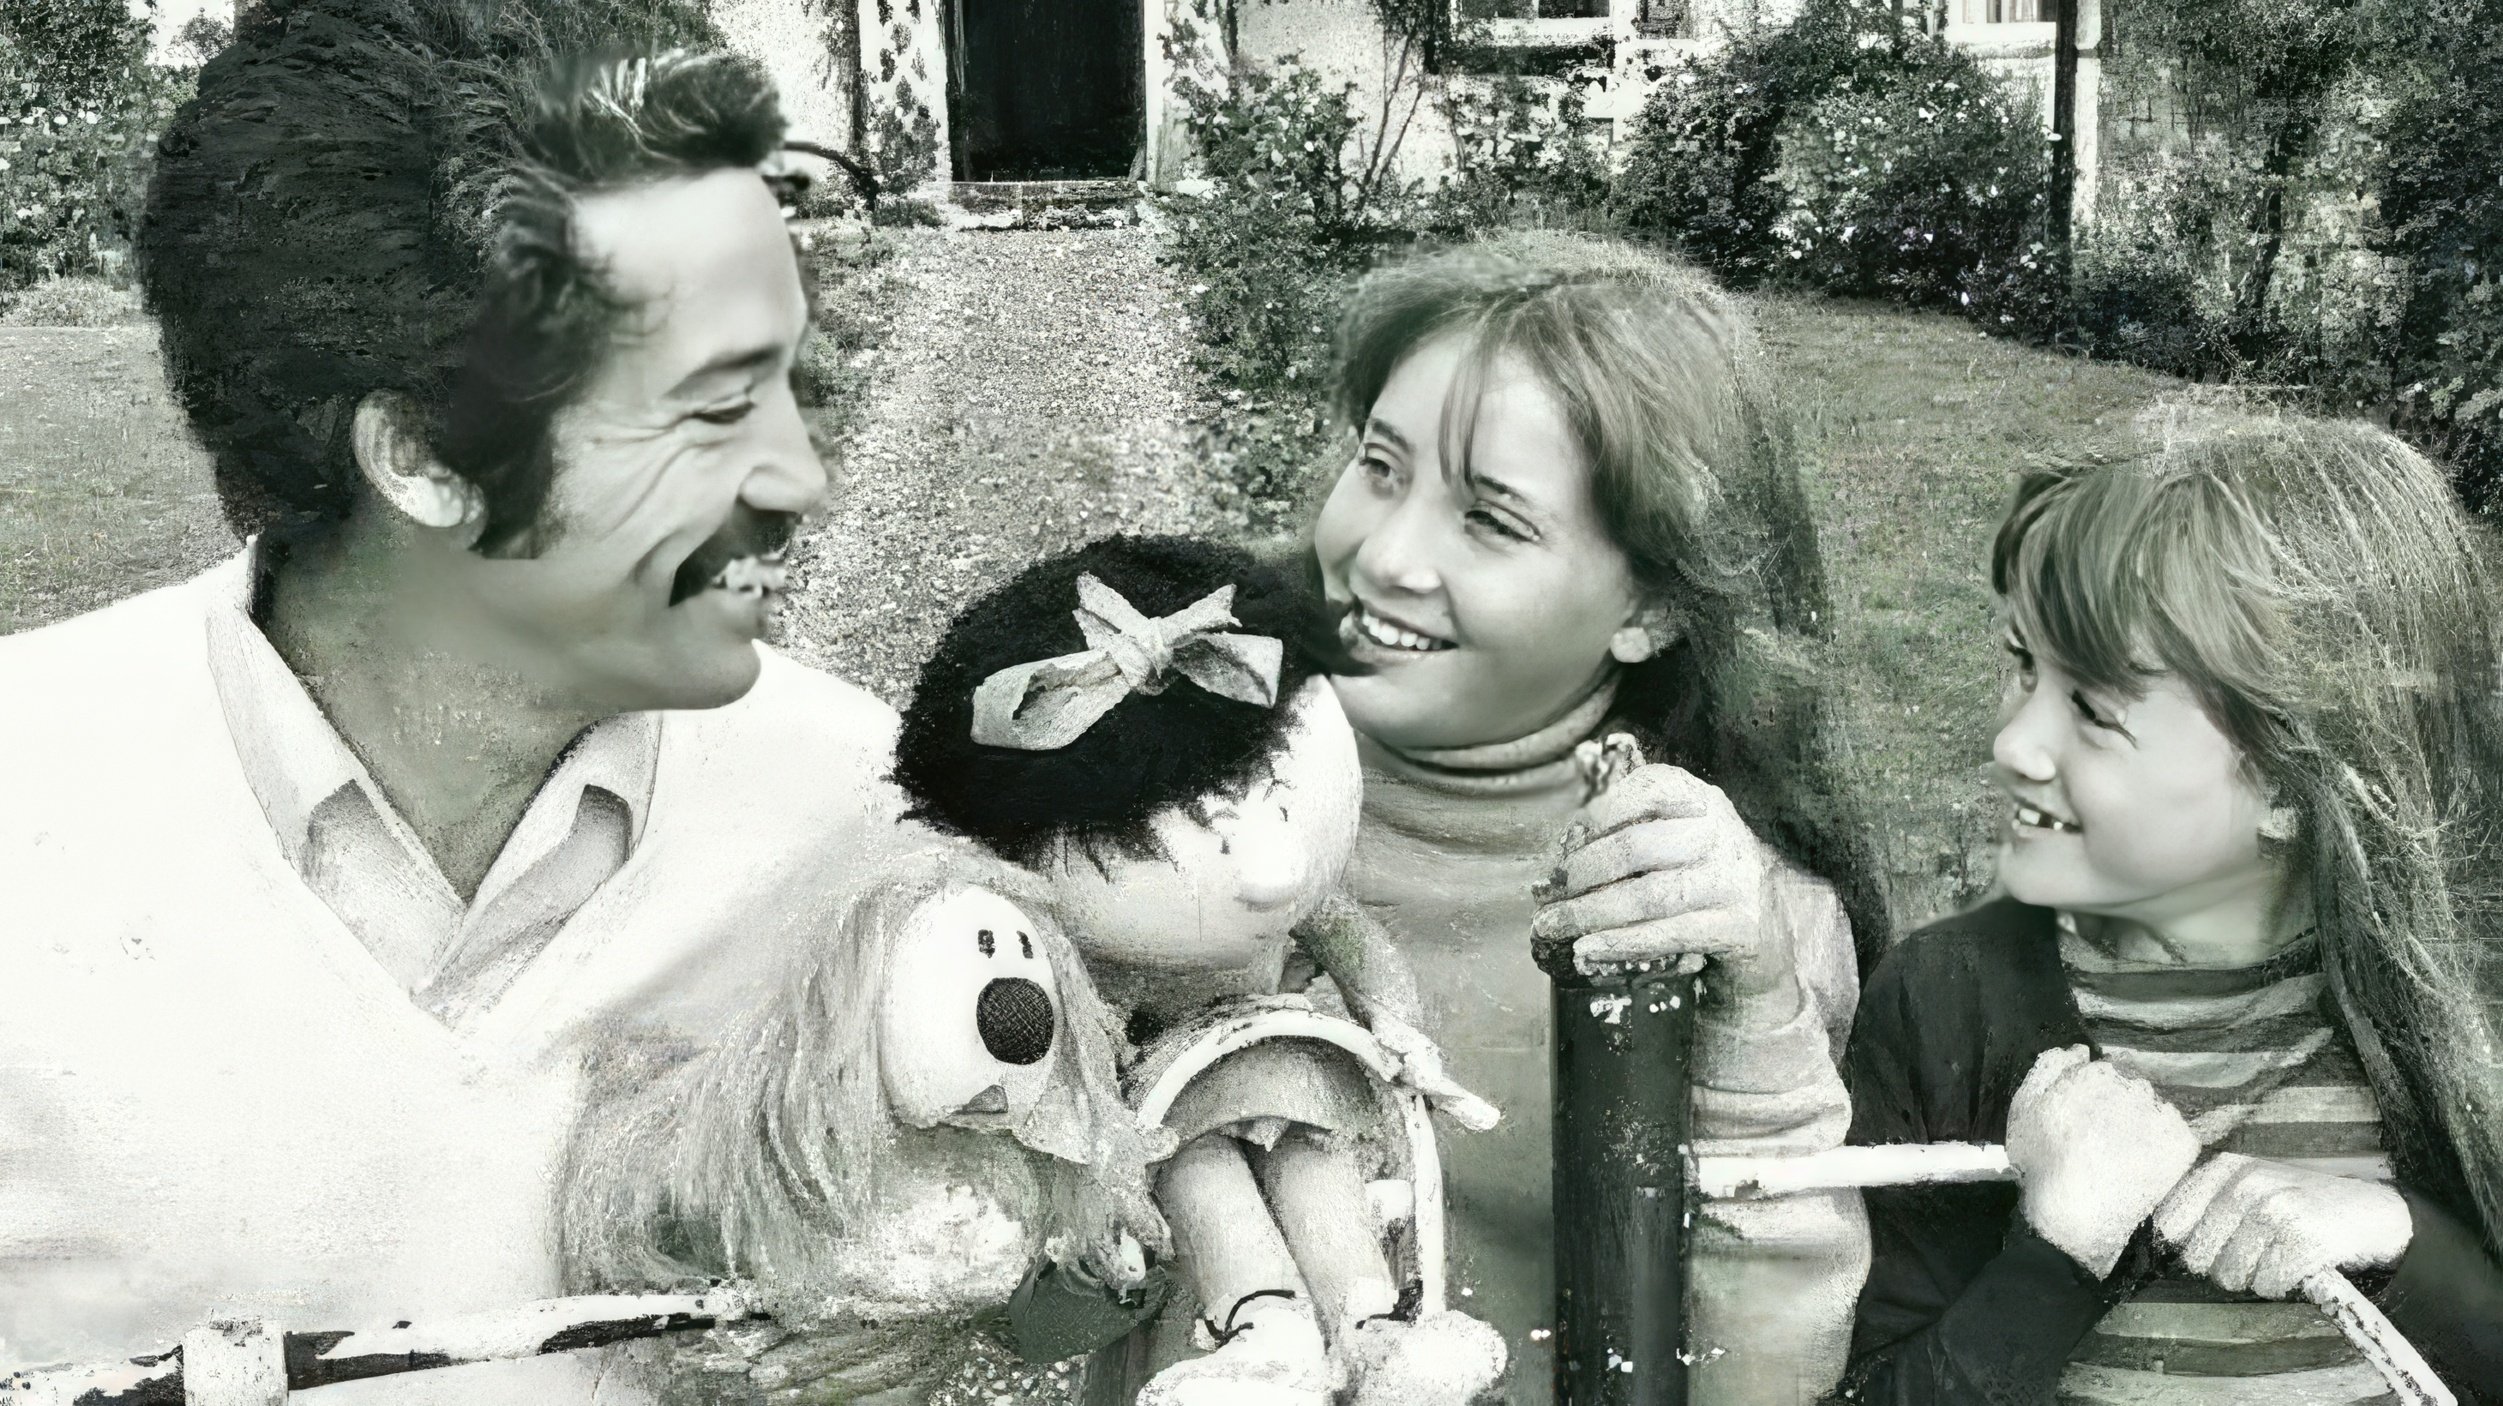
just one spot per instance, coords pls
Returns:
(2261, 74)
(2441, 216)
(80, 109)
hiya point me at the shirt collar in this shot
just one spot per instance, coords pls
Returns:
(294, 759)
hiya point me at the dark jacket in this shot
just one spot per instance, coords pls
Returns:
(1964, 1303)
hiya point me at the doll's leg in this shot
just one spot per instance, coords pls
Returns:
(1271, 1351)
(1436, 1359)
(1318, 1194)
(1227, 1240)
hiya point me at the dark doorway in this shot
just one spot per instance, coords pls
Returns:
(1044, 90)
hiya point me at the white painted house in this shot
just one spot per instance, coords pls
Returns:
(1060, 90)
(1042, 90)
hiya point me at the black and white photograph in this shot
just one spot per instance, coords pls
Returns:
(1251, 702)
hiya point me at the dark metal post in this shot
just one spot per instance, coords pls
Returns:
(2062, 214)
(1623, 1041)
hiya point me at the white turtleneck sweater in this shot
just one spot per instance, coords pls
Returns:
(1451, 844)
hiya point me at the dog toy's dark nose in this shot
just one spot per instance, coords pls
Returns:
(1016, 1019)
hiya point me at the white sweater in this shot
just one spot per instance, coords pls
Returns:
(215, 1102)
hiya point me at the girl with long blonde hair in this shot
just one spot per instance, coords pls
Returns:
(2236, 1017)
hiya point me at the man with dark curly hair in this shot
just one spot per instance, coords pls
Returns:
(324, 869)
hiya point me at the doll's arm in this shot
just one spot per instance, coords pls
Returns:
(1357, 953)
(1353, 948)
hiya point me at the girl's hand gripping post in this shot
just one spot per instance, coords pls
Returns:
(1624, 1025)
(1661, 869)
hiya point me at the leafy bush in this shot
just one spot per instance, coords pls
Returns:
(1698, 171)
(1701, 170)
(80, 108)
(2440, 215)
(1929, 186)
(1850, 152)
(905, 212)
(1294, 200)
(1521, 156)
(2147, 286)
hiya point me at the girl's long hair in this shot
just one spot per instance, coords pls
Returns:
(1696, 479)
(2319, 589)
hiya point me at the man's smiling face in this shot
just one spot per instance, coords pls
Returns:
(681, 469)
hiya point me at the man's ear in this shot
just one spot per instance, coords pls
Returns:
(1652, 630)
(402, 470)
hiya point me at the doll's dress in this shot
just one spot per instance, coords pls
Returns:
(1256, 1095)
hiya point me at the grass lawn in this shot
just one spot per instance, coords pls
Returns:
(102, 492)
(1913, 426)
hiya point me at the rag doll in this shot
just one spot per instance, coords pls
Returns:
(923, 1124)
(1147, 723)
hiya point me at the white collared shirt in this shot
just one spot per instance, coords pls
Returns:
(341, 834)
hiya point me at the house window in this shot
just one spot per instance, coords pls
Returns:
(2006, 11)
(1534, 9)
(1666, 19)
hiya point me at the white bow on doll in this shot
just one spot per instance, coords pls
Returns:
(1048, 704)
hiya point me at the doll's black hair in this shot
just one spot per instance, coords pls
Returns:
(1184, 746)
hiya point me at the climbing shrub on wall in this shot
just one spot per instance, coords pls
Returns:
(1295, 194)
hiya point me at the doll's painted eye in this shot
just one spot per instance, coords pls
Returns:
(1016, 1020)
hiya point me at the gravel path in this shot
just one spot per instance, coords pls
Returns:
(1032, 392)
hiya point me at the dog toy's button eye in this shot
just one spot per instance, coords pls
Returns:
(1016, 1019)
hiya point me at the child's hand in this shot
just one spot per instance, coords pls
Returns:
(2261, 1227)
(1421, 1069)
(1665, 869)
(2094, 1151)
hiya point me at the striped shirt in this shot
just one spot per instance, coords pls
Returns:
(2253, 1059)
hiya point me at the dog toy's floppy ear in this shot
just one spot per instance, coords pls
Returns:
(1083, 1120)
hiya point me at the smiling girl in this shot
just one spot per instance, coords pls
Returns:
(2235, 1018)
(1573, 512)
